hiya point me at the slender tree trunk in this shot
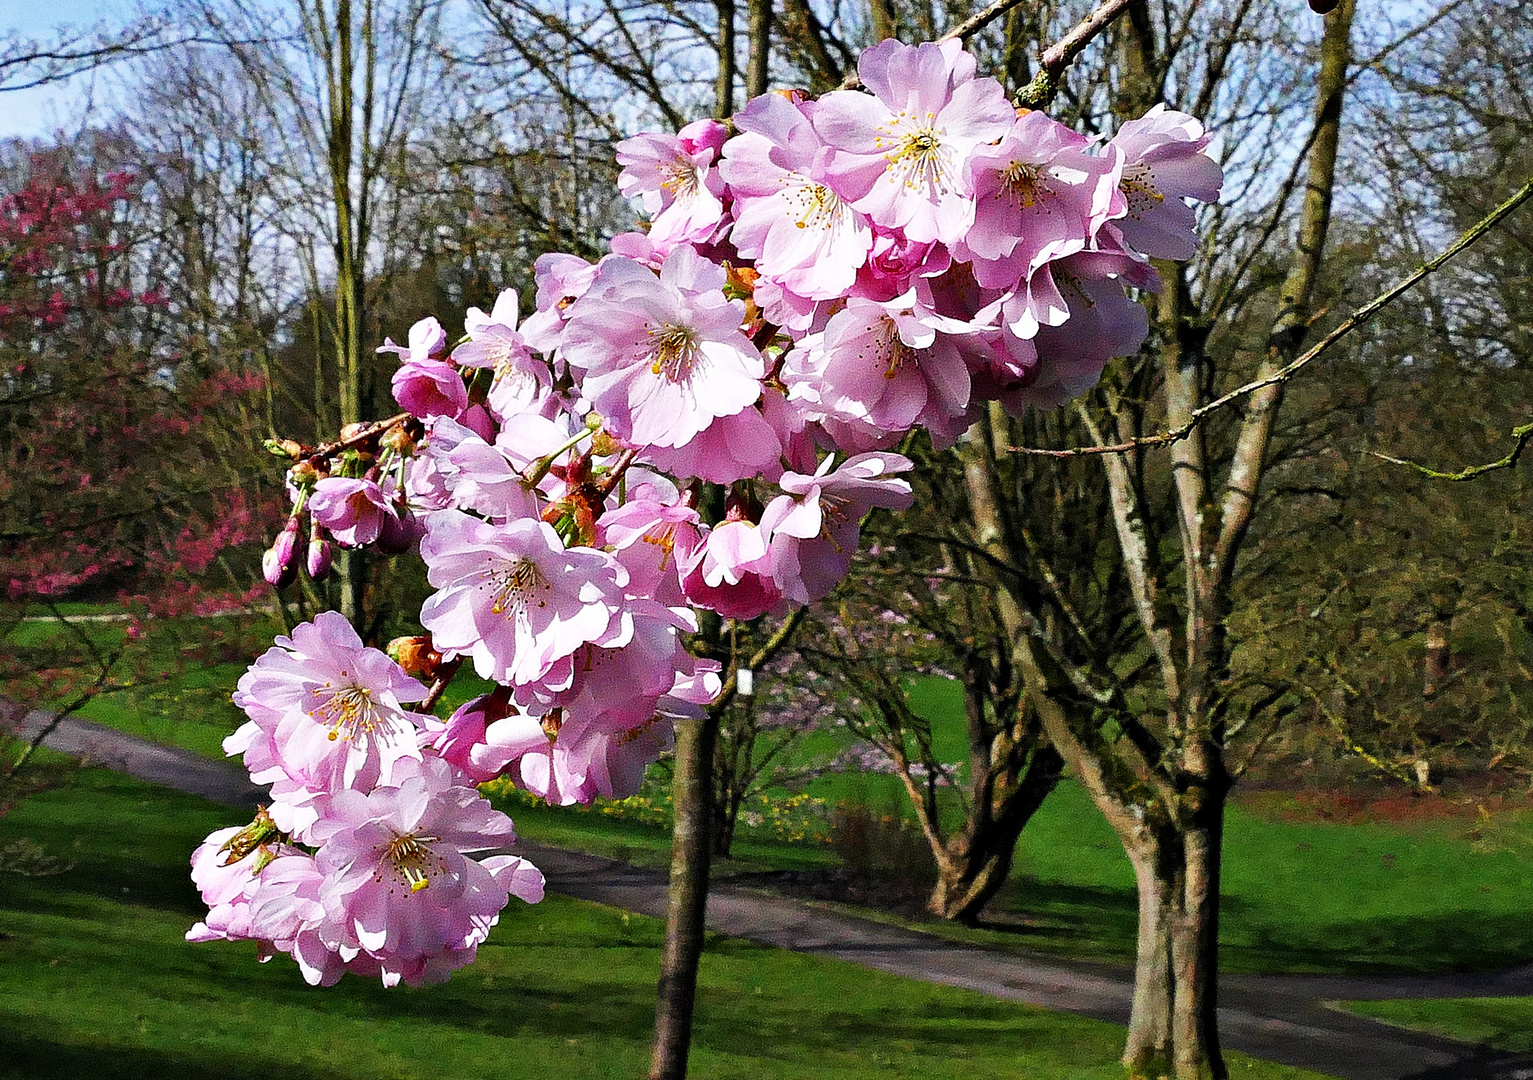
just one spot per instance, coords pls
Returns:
(687, 900)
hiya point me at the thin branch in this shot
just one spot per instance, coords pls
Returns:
(1040, 92)
(1055, 58)
(1287, 372)
(761, 656)
(1521, 434)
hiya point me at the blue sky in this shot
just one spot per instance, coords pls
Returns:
(45, 109)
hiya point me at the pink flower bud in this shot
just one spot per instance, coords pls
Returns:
(280, 564)
(319, 558)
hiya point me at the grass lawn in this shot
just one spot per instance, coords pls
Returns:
(95, 980)
(1502, 1023)
(1300, 896)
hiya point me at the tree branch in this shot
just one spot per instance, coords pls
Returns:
(1288, 371)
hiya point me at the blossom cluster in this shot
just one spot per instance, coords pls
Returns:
(815, 281)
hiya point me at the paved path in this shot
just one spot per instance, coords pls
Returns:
(1279, 1018)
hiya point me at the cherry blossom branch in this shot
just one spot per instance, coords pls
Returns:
(368, 432)
(1284, 374)
(439, 685)
(1522, 434)
(1040, 92)
(1055, 58)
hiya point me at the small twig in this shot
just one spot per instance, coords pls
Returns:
(1521, 434)
(1283, 374)
(449, 669)
(1055, 58)
(761, 656)
(1040, 92)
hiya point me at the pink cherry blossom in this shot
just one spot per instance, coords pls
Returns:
(397, 883)
(662, 358)
(673, 176)
(1164, 160)
(908, 144)
(485, 735)
(731, 572)
(878, 369)
(814, 524)
(427, 341)
(514, 598)
(787, 217)
(325, 710)
(356, 511)
(1038, 195)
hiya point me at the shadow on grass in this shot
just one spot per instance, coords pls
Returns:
(35, 1056)
(1102, 923)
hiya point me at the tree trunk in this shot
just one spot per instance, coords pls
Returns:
(979, 858)
(1173, 1026)
(687, 900)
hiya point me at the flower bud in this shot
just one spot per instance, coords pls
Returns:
(303, 475)
(398, 440)
(351, 431)
(398, 531)
(416, 656)
(320, 557)
(283, 448)
(280, 563)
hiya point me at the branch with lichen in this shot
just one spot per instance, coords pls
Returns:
(1521, 434)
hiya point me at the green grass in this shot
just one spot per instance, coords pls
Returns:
(1501, 1023)
(1299, 896)
(95, 980)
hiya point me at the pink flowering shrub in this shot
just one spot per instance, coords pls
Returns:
(810, 289)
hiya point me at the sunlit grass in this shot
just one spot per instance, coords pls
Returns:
(96, 980)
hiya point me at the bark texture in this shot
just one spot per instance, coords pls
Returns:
(686, 900)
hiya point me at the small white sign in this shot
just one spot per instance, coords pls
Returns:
(745, 682)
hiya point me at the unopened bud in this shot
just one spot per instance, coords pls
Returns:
(399, 531)
(319, 560)
(303, 475)
(416, 656)
(398, 440)
(283, 448)
(280, 563)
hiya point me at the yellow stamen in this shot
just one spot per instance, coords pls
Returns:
(349, 712)
(515, 587)
(675, 351)
(412, 858)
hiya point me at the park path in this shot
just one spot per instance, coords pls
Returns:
(1278, 1018)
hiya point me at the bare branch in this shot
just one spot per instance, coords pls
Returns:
(1288, 371)
(1522, 434)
